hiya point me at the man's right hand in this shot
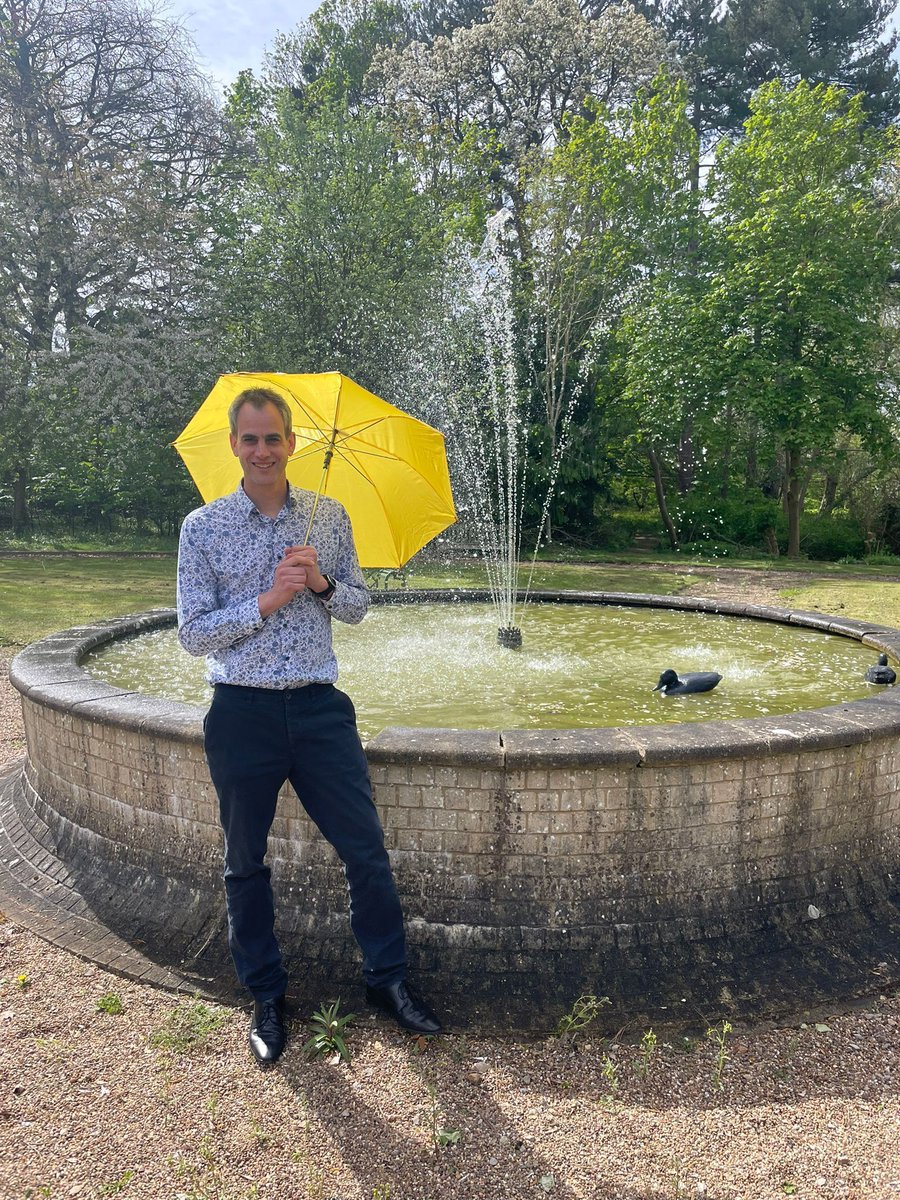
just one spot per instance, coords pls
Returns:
(290, 579)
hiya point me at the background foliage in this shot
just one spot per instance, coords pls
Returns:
(701, 234)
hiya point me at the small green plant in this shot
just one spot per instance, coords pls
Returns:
(259, 1135)
(441, 1135)
(381, 1192)
(584, 1012)
(23, 981)
(111, 1003)
(446, 1137)
(645, 1054)
(187, 1027)
(610, 1073)
(117, 1185)
(789, 1187)
(718, 1035)
(328, 1032)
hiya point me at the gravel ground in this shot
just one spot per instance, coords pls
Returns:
(162, 1099)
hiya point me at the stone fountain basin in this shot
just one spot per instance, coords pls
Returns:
(747, 868)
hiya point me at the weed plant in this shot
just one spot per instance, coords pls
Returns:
(583, 1013)
(328, 1032)
(187, 1027)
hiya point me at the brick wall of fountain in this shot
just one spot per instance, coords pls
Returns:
(744, 867)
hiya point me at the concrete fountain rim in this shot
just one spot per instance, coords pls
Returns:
(50, 673)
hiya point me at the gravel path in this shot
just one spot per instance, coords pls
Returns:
(163, 1101)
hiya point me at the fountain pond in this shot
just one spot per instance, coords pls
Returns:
(741, 867)
(581, 666)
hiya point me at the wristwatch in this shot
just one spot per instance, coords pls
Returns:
(327, 592)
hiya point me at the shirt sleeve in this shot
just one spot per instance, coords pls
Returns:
(204, 627)
(350, 601)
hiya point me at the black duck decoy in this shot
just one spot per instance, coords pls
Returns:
(672, 684)
(881, 673)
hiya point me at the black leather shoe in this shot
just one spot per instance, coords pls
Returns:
(405, 1005)
(267, 1032)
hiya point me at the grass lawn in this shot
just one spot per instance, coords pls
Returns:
(865, 599)
(42, 593)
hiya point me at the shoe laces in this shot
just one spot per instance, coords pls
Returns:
(269, 1021)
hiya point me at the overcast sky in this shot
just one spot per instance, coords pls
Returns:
(232, 34)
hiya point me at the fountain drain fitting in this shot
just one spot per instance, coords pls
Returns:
(510, 637)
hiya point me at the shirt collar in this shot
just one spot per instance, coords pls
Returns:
(247, 508)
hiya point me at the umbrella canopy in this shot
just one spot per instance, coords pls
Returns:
(387, 469)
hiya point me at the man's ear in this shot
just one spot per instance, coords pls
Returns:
(232, 437)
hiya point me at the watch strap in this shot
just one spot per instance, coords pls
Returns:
(328, 592)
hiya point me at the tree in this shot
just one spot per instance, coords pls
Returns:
(807, 251)
(726, 51)
(849, 44)
(326, 59)
(504, 87)
(613, 209)
(108, 135)
(333, 246)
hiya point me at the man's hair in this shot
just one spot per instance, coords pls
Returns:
(258, 398)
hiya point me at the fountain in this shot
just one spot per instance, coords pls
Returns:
(742, 867)
(674, 868)
(486, 425)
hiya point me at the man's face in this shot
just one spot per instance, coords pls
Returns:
(261, 445)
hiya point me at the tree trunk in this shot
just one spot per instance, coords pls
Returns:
(793, 501)
(661, 497)
(829, 495)
(21, 513)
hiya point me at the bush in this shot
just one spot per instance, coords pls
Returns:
(611, 533)
(740, 522)
(829, 539)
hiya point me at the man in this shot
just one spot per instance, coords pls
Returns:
(259, 604)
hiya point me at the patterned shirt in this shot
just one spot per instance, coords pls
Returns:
(227, 557)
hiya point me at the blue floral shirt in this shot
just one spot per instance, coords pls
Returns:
(227, 557)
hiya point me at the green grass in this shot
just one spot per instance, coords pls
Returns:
(187, 1027)
(40, 594)
(593, 577)
(864, 599)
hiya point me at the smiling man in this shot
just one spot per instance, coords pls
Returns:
(259, 604)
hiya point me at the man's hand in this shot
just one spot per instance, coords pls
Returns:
(297, 571)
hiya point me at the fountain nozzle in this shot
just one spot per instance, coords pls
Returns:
(510, 637)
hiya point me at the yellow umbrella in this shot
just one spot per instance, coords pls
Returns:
(387, 469)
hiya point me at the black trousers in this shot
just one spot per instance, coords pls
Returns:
(255, 739)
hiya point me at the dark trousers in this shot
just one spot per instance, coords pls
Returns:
(256, 739)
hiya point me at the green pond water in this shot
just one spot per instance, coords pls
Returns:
(439, 665)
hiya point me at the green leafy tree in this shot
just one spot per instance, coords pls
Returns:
(325, 60)
(850, 45)
(613, 207)
(807, 249)
(331, 245)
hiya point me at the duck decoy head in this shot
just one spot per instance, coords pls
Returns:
(666, 680)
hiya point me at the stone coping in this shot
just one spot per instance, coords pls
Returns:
(50, 673)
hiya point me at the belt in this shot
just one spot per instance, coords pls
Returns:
(272, 691)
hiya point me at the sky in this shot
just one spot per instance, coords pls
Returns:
(232, 34)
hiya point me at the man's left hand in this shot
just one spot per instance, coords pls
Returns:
(306, 556)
